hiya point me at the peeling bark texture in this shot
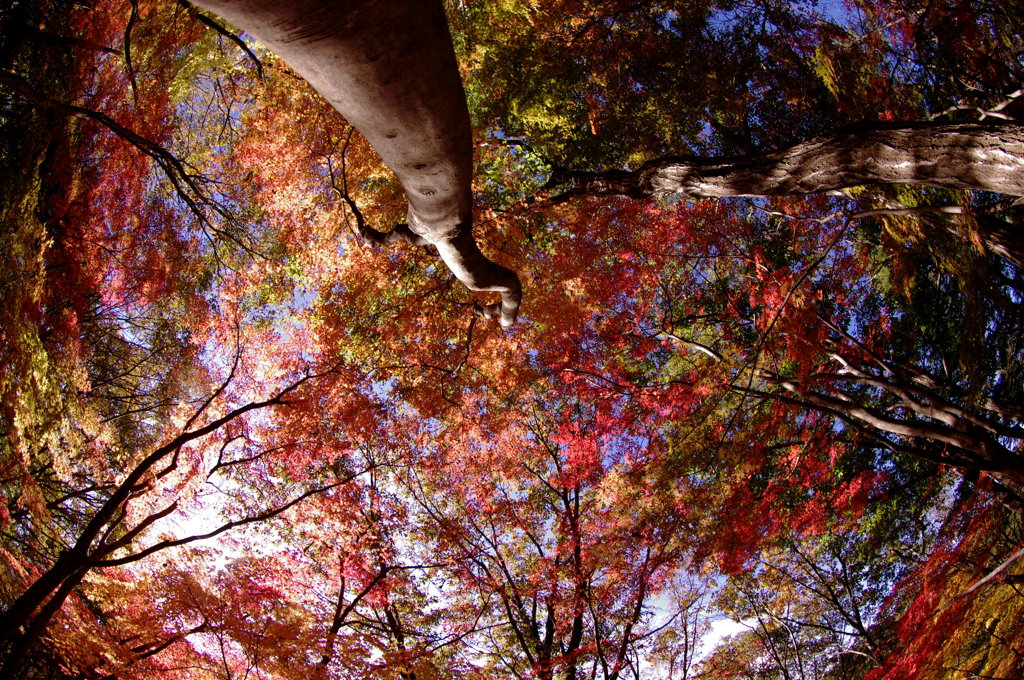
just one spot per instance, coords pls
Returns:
(970, 156)
(1003, 239)
(389, 67)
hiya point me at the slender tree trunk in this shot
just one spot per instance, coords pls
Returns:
(389, 67)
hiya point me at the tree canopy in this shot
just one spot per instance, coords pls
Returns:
(758, 417)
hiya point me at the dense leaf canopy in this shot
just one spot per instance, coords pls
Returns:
(773, 436)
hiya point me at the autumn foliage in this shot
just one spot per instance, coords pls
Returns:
(241, 441)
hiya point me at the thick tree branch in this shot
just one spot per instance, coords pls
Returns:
(390, 69)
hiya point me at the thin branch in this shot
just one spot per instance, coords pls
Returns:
(917, 210)
(207, 21)
(273, 512)
(107, 548)
(132, 18)
(400, 232)
(991, 575)
(993, 112)
(186, 184)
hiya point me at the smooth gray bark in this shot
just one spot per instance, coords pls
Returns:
(389, 67)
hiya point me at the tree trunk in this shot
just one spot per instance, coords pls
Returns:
(389, 67)
(970, 156)
(980, 157)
